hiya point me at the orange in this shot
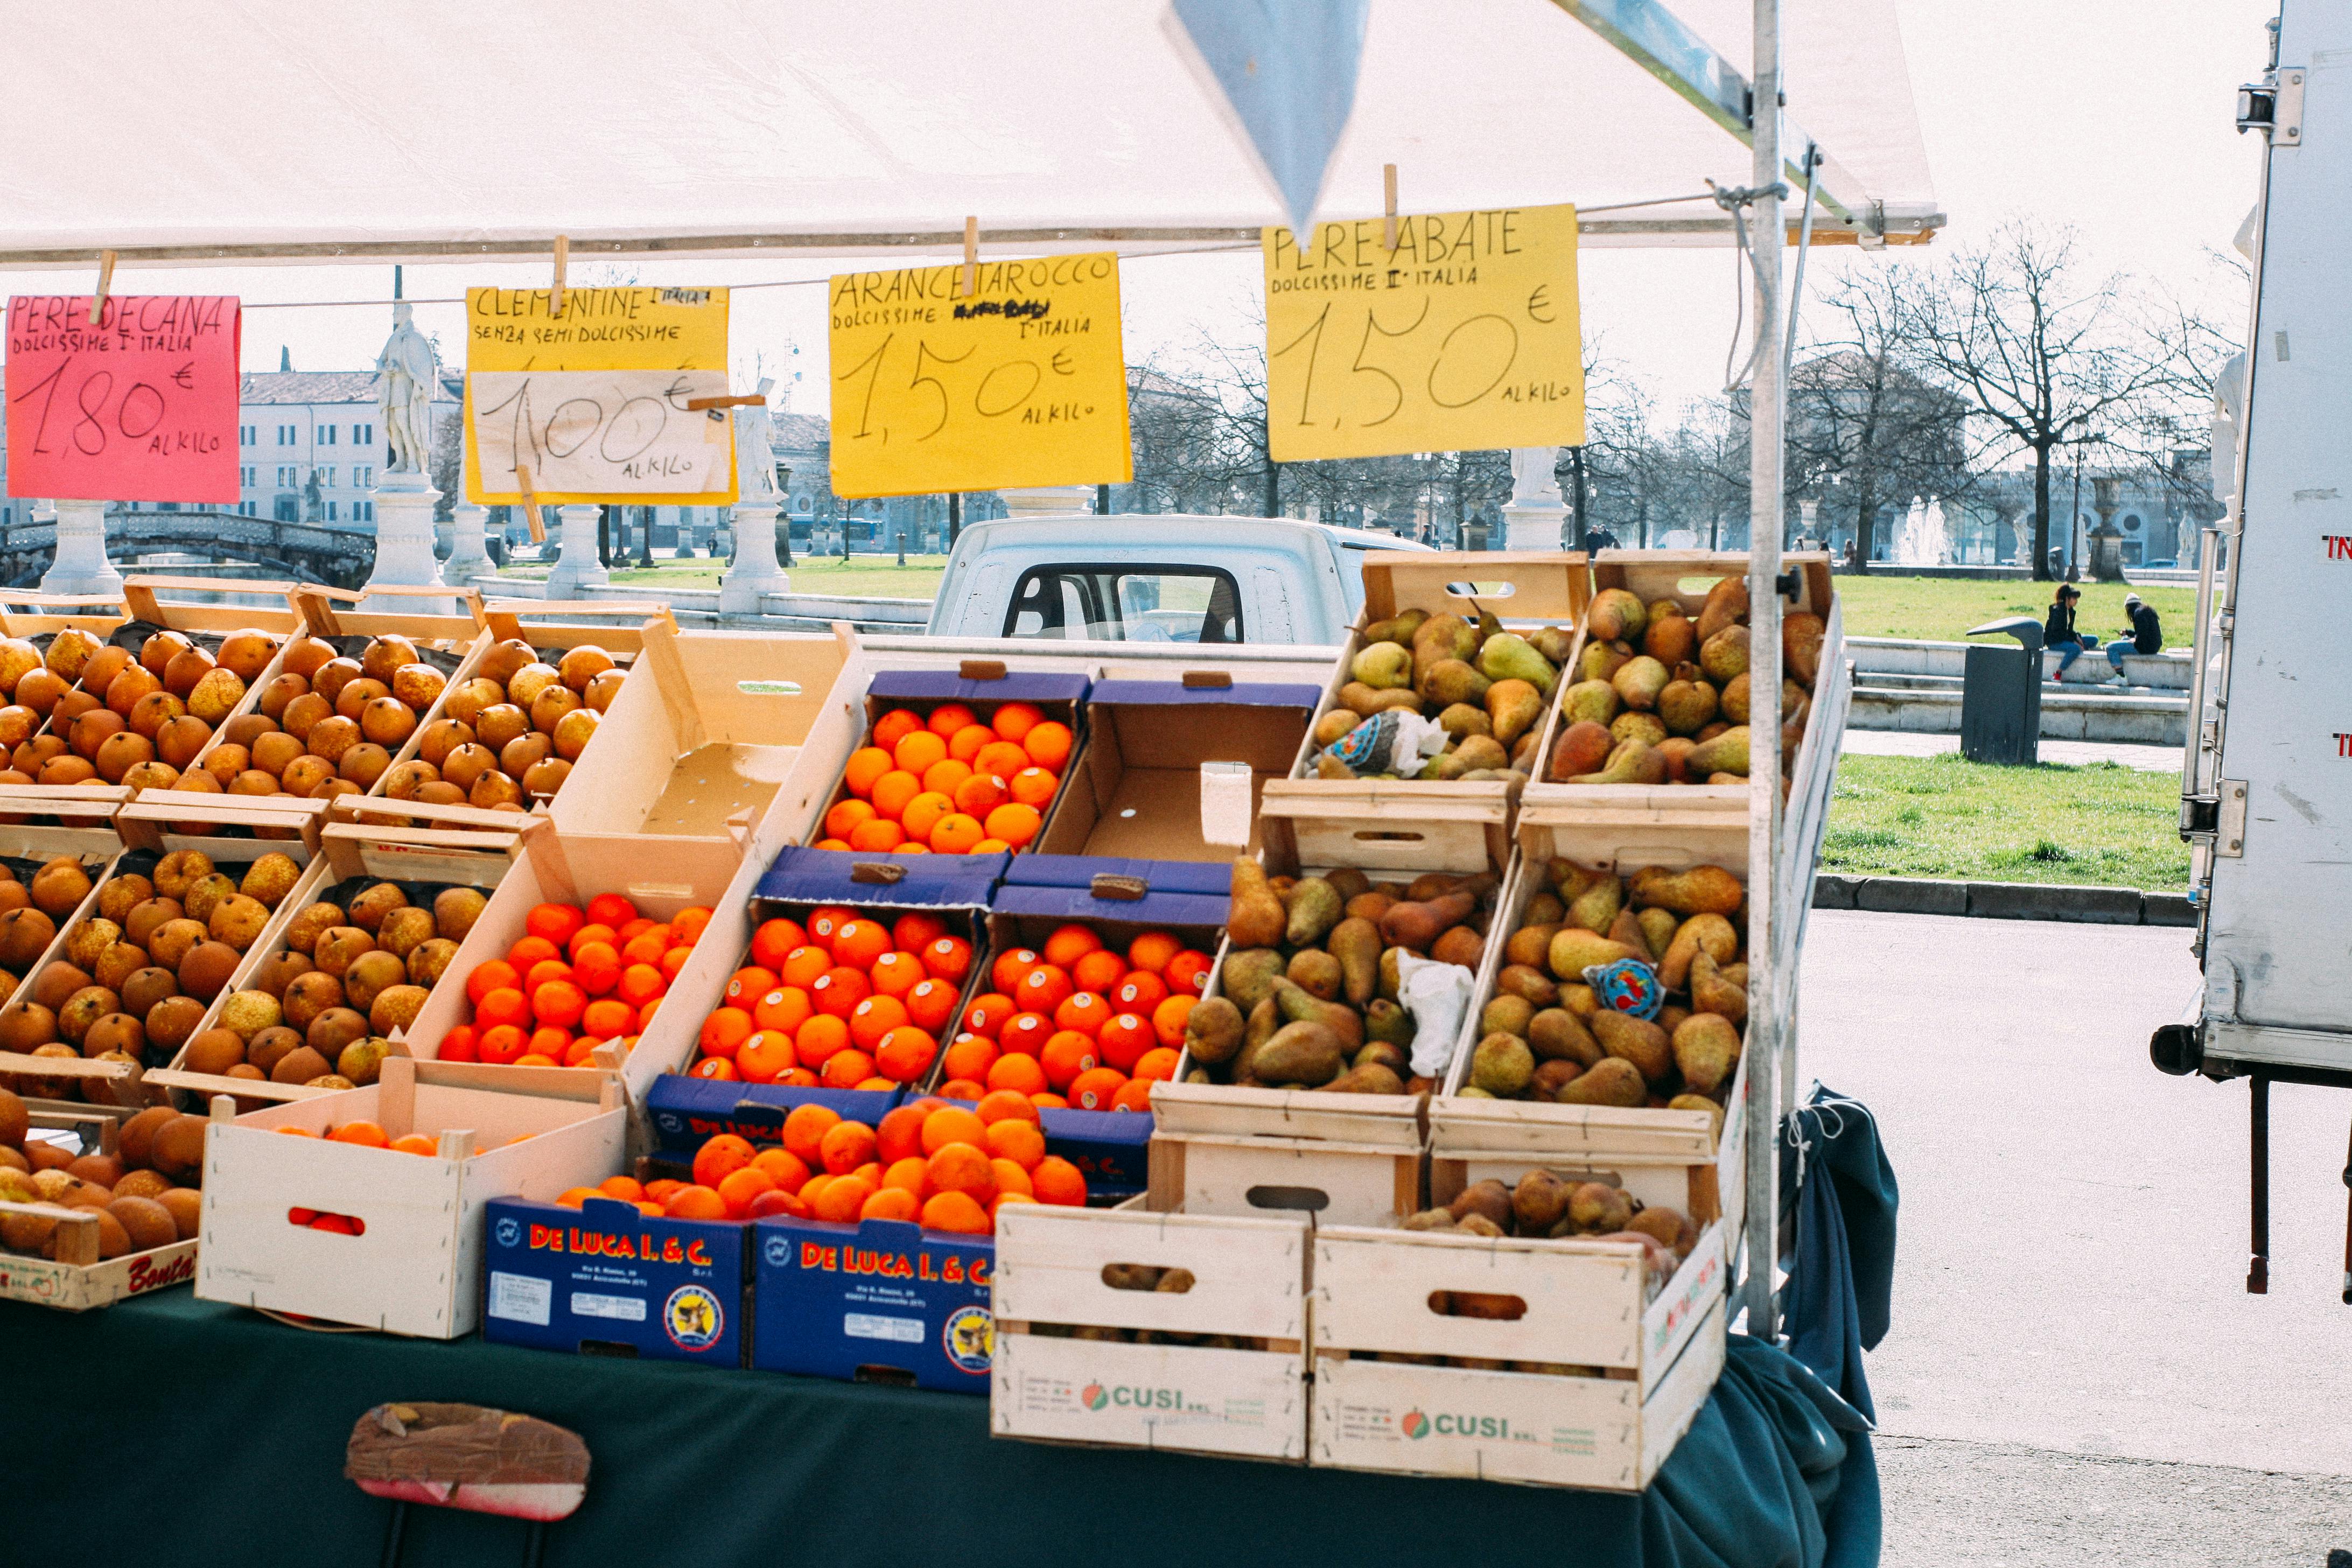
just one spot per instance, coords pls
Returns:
(543, 972)
(824, 923)
(765, 1055)
(1005, 973)
(580, 1050)
(417, 1143)
(687, 926)
(694, 1203)
(891, 1203)
(662, 1190)
(1056, 1181)
(819, 1040)
(996, 1207)
(492, 975)
(1015, 824)
(952, 1124)
(839, 990)
(925, 812)
(896, 975)
(893, 790)
(774, 939)
(845, 1146)
(910, 932)
(1043, 989)
(1020, 1075)
(804, 1129)
(1033, 786)
(1100, 973)
(504, 1005)
(949, 717)
(912, 1174)
(611, 909)
(964, 1168)
(1167, 1019)
(604, 1019)
(529, 950)
(991, 847)
(1093, 1088)
(628, 1189)
(1000, 761)
(1005, 1107)
(987, 1013)
(461, 1044)
(1025, 1033)
(956, 1212)
(955, 833)
(786, 1007)
(814, 1189)
(741, 1187)
(779, 1202)
(647, 946)
(674, 960)
(877, 837)
(962, 1089)
(966, 743)
(980, 793)
(1048, 744)
(717, 1068)
(1010, 1176)
(947, 958)
(1124, 1039)
(858, 942)
(1014, 720)
(366, 1134)
(899, 1133)
(1083, 1011)
(551, 1056)
(865, 764)
(911, 848)
(803, 965)
(1188, 973)
(1152, 950)
(748, 984)
(1017, 1141)
(502, 1042)
(971, 1056)
(784, 1168)
(586, 934)
(596, 968)
(874, 1018)
(1066, 1056)
(721, 1155)
(943, 777)
(1069, 943)
(1139, 991)
(918, 752)
(1159, 1062)
(930, 1004)
(556, 923)
(842, 1199)
(906, 1054)
(558, 1004)
(628, 930)
(641, 984)
(848, 1070)
(1135, 1094)
(894, 726)
(846, 818)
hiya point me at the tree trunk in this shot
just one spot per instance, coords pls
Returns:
(2042, 514)
(1865, 524)
(1273, 488)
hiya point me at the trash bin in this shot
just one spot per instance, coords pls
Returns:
(2001, 695)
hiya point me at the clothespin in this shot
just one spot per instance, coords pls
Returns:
(971, 257)
(1387, 228)
(563, 254)
(105, 282)
(529, 503)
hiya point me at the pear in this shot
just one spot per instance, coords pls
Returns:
(1616, 614)
(1527, 982)
(1725, 655)
(1367, 700)
(1727, 604)
(1462, 718)
(1329, 766)
(1475, 752)
(1608, 1081)
(1555, 1033)
(1672, 635)
(1315, 907)
(1600, 660)
(1633, 763)
(1658, 928)
(1707, 1049)
(1555, 643)
(1256, 917)
(1676, 750)
(1452, 682)
(1336, 724)
(1711, 934)
(1212, 1030)
(1687, 706)
(1448, 767)
(1698, 1102)
(1594, 700)
(1596, 907)
(1509, 657)
(1638, 682)
(1397, 628)
(1726, 753)
(1439, 638)
(1800, 644)
(1248, 974)
(1574, 949)
(1382, 666)
(1583, 747)
(1514, 707)
(1710, 992)
(1636, 1040)
(1502, 1065)
(1646, 727)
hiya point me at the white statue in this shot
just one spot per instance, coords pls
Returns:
(755, 460)
(1533, 480)
(406, 374)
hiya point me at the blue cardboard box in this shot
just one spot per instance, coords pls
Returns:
(686, 1113)
(606, 1278)
(883, 1301)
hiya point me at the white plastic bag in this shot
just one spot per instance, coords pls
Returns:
(1437, 995)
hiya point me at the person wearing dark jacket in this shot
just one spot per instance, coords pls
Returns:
(2058, 631)
(2146, 636)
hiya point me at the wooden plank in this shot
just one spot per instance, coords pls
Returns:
(1249, 1274)
(1238, 1404)
(1386, 1289)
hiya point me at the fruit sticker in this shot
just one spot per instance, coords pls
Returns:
(693, 1318)
(969, 1338)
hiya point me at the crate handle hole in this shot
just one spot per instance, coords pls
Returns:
(894, 1376)
(1313, 1200)
(1698, 587)
(617, 1349)
(1370, 836)
(1148, 1276)
(333, 1224)
(1490, 1305)
(1482, 590)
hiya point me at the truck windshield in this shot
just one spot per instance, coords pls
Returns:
(1126, 604)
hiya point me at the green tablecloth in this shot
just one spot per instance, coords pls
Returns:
(206, 1434)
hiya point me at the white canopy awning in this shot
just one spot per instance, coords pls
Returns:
(267, 130)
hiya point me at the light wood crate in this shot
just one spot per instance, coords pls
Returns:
(77, 1279)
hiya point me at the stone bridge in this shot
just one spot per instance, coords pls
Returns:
(341, 555)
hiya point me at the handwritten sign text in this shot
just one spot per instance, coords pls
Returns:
(141, 406)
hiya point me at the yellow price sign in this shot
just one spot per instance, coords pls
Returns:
(1464, 337)
(1021, 383)
(593, 401)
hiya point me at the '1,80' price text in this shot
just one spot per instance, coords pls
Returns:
(94, 415)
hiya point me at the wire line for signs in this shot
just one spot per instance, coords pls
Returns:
(1233, 248)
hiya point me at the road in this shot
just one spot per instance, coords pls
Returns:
(2075, 1374)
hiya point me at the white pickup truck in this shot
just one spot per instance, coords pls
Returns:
(1161, 578)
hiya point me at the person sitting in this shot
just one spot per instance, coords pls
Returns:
(2058, 631)
(2146, 636)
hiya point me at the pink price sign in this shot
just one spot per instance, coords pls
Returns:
(141, 406)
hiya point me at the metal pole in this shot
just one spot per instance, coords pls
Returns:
(955, 517)
(2074, 523)
(1576, 480)
(1764, 1043)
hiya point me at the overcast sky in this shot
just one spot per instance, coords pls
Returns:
(2114, 116)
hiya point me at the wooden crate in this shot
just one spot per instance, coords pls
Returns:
(1249, 1282)
(77, 1279)
(335, 613)
(1422, 826)
(700, 743)
(1685, 577)
(416, 1267)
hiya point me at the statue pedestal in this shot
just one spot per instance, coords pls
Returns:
(1533, 527)
(80, 565)
(755, 570)
(577, 568)
(404, 547)
(468, 556)
(2106, 553)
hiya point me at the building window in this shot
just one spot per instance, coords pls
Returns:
(246, 435)
(245, 478)
(326, 435)
(331, 511)
(248, 508)
(362, 434)
(363, 511)
(327, 476)
(363, 476)
(2131, 522)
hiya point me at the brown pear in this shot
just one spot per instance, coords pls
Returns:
(1727, 604)
(1707, 1049)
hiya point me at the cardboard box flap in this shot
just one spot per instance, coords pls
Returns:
(1176, 694)
(1209, 878)
(1083, 903)
(948, 685)
(807, 875)
(685, 1112)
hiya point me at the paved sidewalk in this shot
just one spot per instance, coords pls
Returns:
(2074, 754)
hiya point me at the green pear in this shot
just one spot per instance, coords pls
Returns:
(1638, 682)
(1555, 642)
(1726, 753)
(1397, 628)
(1593, 701)
(1646, 727)
(1439, 638)
(1725, 655)
(1616, 614)
(1509, 657)
(1453, 680)
(1600, 660)
(1687, 706)
(1383, 665)
(1462, 718)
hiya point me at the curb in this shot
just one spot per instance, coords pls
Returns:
(2003, 901)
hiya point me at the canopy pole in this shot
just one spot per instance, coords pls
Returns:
(1764, 458)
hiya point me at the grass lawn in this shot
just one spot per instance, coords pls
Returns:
(1942, 610)
(1942, 816)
